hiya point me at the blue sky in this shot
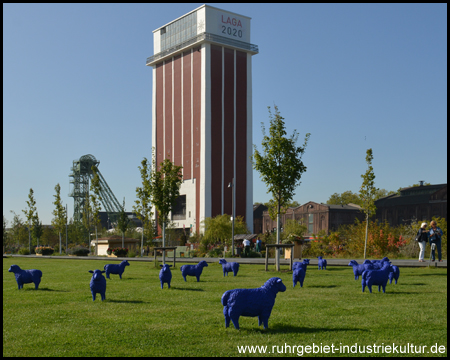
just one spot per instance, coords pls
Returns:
(355, 76)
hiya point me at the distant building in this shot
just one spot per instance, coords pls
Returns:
(106, 223)
(414, 203)
(258, 210)
(202, 111)
(317, 217)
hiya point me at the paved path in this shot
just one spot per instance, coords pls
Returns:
(260, 261)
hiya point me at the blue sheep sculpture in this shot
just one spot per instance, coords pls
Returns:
(165, 275)
(26, 276)
(376, 277)
(98, 284)
(116, 269)
(251, 302)
(298, 275)
(322, 263)
(378, 264)
(302, 264)
(193, 270)
(229, 267)
(394, 273)
(358, 269)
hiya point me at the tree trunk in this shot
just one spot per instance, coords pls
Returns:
(277, 251)
(164, 242)
(367, 231)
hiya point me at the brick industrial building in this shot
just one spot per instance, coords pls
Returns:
(202, 111)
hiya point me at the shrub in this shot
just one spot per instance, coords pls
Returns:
(120, 252)
(79, 251)
(24, 251)
(44, 250)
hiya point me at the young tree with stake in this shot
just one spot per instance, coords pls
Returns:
(164, 189)
(59, 220)
(280, 165)
(367, 193)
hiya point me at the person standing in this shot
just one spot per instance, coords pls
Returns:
(246, 247)
(423, 239)
(258, 245)
(435, 238)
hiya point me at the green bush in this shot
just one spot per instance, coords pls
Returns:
(44, 250)
(24, 251)
(79, 251)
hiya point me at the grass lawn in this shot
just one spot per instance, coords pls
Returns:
(139, 319)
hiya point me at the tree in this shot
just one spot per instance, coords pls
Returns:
(5, 234)
(30, 214)
(345, 198)
(60, 217)
(96, 205)
(280, 165)
(18, 233)
(164, 190)
(367, 193)
(122, 222)
(38, 229)
(218, 229)
(143, 208)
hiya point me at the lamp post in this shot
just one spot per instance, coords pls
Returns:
(231, 185)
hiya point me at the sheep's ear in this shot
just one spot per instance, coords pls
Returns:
(279, 280)
(91, 271)
(160, 265)
(103, 271)
(169, 265)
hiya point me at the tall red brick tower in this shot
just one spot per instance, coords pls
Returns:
(202, 111)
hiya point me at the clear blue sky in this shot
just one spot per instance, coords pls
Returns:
(354, 76)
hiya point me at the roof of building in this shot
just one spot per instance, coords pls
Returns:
(410, 195)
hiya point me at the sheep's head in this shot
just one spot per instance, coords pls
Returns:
(14, 269)
(222, 261)
(203, 263)
(275, 284)
(97, 274)
(367, 261)
(165, 268)
(319, 257)
(305, 261)
(126, 263)
(352, 262)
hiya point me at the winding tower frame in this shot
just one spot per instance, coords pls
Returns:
(81, 175)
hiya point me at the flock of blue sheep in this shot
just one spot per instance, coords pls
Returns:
(237, 302)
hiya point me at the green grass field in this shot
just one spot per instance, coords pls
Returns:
(139, 319)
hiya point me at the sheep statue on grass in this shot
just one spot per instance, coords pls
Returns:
(251, 302)
(376, 277)
(394, 273)
(165, 275)
(98, 284)
(229, 267)
(193, 270)
(116, 269)
(26, 276)
(302, 264)
(298, 275)
(322, 263)
(378, 264)
(358, 269)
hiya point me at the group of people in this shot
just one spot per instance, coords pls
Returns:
(433, 235)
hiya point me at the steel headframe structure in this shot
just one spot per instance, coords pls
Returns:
(81, 174)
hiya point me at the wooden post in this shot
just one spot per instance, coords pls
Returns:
(267, 257)
(292, 257)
